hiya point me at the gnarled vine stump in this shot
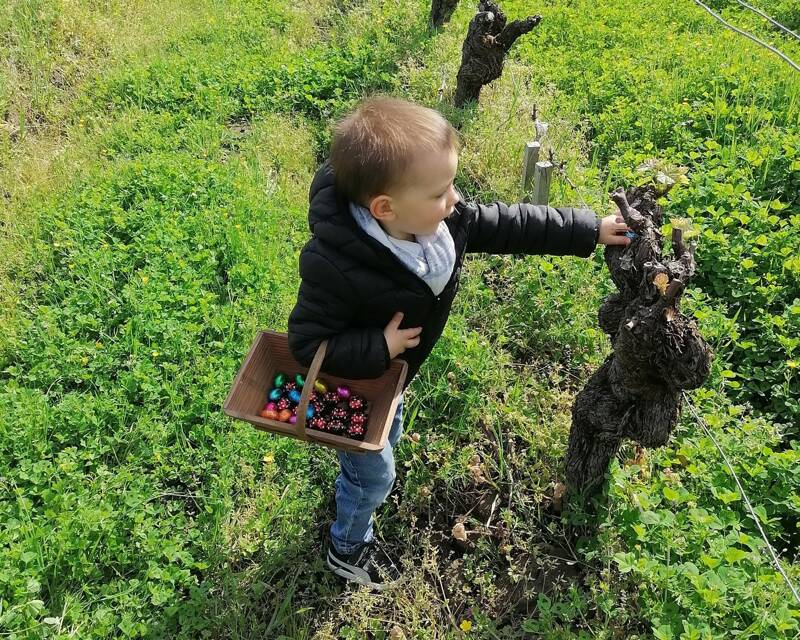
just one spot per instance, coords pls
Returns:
(441, 12)
(657, 351)
(488, 41)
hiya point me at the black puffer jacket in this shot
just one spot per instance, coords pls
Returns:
(352, 285)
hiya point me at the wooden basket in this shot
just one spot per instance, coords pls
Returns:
(270, 355)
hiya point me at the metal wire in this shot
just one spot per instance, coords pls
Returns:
(753, 515)
(769, 18)
(744, 33)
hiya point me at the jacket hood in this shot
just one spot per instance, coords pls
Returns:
(330, 220)
(324, 202)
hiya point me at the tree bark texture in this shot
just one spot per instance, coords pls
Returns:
(441, 12)
(657, 351)
(488, 41)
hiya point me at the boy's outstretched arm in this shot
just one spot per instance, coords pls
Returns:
(531, 229)
(325, 308)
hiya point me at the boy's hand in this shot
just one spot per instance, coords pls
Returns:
(398, 340)
(612, 230)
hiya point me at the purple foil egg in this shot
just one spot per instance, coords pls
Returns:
(343, 392)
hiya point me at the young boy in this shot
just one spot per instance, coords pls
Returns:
(379, 274)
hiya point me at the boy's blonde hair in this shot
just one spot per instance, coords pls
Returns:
(373, 146)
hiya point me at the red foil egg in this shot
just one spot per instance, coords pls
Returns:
(337, 426)
(357, 403)
(319, 407)
(356, 432)
(358, 420)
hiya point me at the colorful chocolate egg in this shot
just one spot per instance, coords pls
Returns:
(343, 392)
(356, 432)
(293, 418)
(320, 387)
(358, 420)
(279, 380)
(300, 380)
(284, 415)
(337, 426)
(275, 395)
(269, 414)
(294, 396)
(357, 403)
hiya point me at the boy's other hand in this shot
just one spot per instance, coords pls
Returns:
(613, 229)
(398, 340)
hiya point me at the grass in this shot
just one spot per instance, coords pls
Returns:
(155, 215)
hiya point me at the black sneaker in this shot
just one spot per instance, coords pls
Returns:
(368, 565)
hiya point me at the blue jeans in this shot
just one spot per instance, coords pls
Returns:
(365, 481)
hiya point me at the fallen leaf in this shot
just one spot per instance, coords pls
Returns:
(477, 473)
(459, 531)
(396, 633)
(558, 495)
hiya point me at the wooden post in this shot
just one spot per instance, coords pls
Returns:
(541, 182)
(529, 159)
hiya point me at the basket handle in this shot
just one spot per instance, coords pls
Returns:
(308, 387)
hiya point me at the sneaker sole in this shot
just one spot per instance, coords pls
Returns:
(352, 573)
